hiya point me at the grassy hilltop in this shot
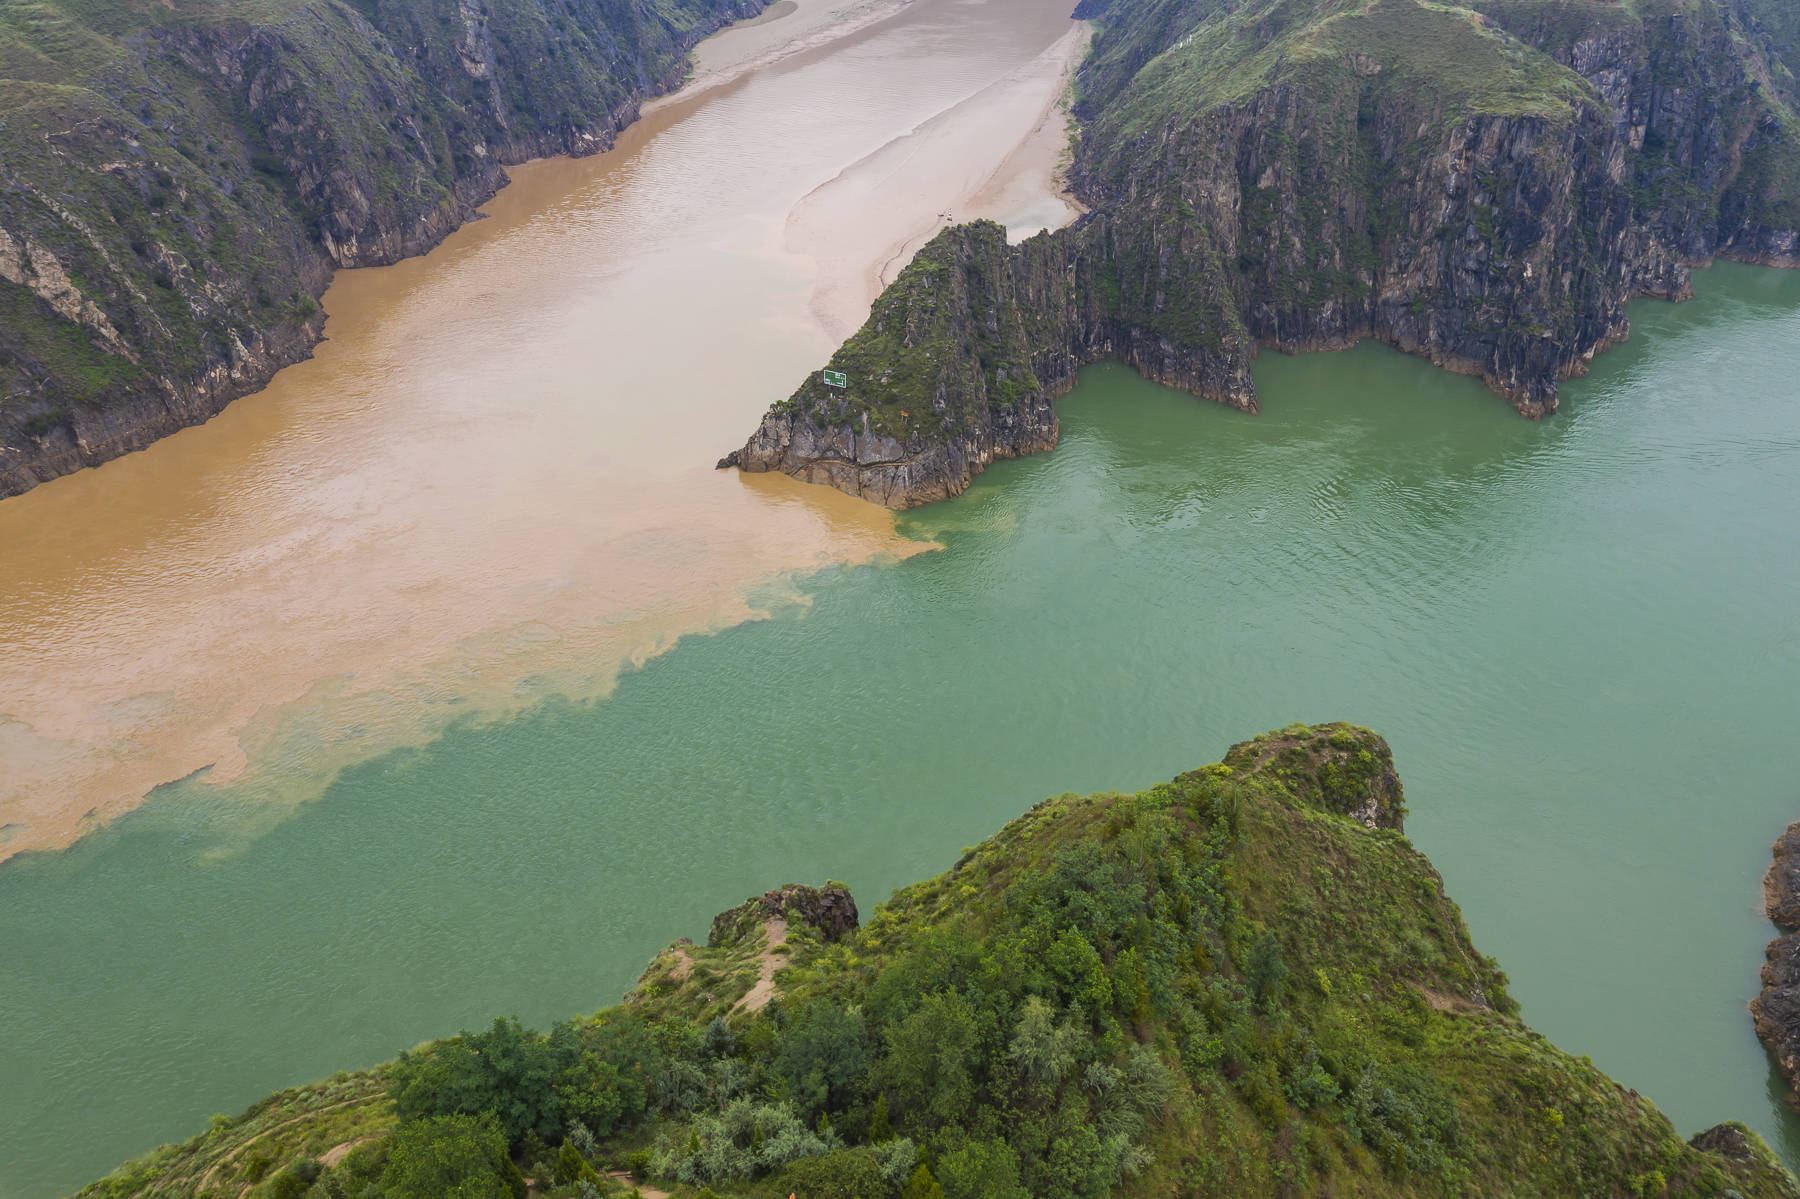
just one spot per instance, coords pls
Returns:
(1242, 982)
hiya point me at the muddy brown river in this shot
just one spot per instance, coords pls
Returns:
(493, 484)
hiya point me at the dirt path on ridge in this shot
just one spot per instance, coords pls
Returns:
(764, 990)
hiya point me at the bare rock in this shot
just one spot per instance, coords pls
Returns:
(1781, 885)
(1776, 1010)
(829, 909)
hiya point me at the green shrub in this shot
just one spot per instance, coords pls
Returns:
(845, 1174)
(1310, 1084)
(294, 1181)
(1265, 970)
(743, 1141)
(880, 1127)
(571, 1167)
(507, 1072)
(981, 1170)
(922, 1185)
(824, 1056)
(40, 423)
(533, 1085)
(1261, 1089)
(461, 1156)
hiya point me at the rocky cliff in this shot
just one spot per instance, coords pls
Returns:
(1484, 185)
(1776, 1009)
(178, 181)
(830, 911)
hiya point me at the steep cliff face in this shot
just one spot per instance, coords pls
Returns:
(1483, 185)
(941, 381)
(1776, 1008)
(178, 182)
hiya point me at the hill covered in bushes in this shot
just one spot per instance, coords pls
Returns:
(1241, 982)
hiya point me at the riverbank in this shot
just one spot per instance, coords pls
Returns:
(491, 485)
(1099, 618)
(140, 295)
(785, 28)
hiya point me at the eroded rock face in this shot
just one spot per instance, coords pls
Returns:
(1781, 885)
(890, 471)
(830, 910)
(1777, 1009)
(1731, 1139)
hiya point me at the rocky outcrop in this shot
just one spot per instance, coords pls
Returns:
(172, 209)
(1781, 885)
(1735, 1142)
(1339, 768)
(891, 471)
(1483, 187)
(829, 910)
(942, 381)
(1776, 1010)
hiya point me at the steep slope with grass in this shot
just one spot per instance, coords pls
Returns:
(1481, 183)
(1243, 982)
(179, 179)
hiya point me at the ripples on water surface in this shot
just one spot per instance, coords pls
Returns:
(494, 483)
(1579, 636)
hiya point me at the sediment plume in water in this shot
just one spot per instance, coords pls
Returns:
(493, 484)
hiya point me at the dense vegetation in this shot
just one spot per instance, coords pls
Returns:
(1241, 982)
(179, 178)
(1484, 183)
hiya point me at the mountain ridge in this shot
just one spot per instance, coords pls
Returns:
(1482, 184)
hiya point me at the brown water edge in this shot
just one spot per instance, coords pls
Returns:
(939, 174)
(493, 484)
(749, 45)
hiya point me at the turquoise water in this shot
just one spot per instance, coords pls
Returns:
(1579, 636)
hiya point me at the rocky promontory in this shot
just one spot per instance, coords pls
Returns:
(944, 379)
(829, 910)
(1484, 185)
(1243, 981)
(1777, 1009)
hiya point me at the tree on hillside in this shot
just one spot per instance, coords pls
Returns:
(451, 1157)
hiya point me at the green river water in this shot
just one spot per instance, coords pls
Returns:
(1579, 636)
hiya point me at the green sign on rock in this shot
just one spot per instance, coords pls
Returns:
(835, 378)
